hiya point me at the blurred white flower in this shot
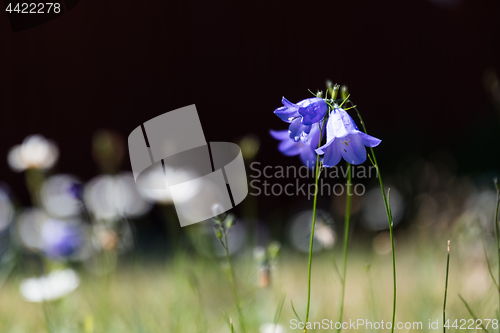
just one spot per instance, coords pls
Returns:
(36, 152)
(28, 228)
(299, 231)
(6, 210)
(50, 287)
(271, 328)
(149, 190)
(325, 235)
(58, 196)
(109, 197)
(55, 238)
(151, 177)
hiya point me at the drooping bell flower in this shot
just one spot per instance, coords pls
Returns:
(304, 147)
(344, 139)
(302, 116)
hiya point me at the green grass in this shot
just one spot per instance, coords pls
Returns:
(190, 294)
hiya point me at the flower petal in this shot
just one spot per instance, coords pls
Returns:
(15, 160)
(313, 138)
(287, 146)
(279, 135)
(287, 103)
(287, 112)
(349, 124)
(312, 110)
(332, 155)
(308, 157)
(297, 130)
(368, 140)
(339, 125)
(335, 127)
(352, 149)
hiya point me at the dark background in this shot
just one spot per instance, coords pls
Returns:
(414, 68)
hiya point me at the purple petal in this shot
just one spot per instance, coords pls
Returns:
(339, 125)
(349, 124)
(287, 103)
(335, 127)
(321, 150)
(308, 157)
(312, 110)
(368, 140)
(352, 149)
(287, 112)
(279, 135)
(289, 148)
(332, 155)
(313, 138)
(297, 130)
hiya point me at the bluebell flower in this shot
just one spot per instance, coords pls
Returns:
(344, 139)
(302, 116)
(304, 147)
(61, 239)
(75, 190)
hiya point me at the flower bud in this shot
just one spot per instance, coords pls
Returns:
(344, 92)
(334, 92)
(229, 221)
(273, 249)
(218, 212)
(218, 231)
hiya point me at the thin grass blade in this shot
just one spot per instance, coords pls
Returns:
(489, 268)
(279, 308)
(295, 311)
(472, 313)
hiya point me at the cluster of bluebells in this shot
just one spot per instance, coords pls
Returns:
(307, 121)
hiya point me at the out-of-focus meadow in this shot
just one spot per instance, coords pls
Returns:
(84, 250)
(100, 256)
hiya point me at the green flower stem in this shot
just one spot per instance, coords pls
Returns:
(34, 180)
(389, 218)
(346, 240)
(317, 174)
(233, 286)
(311, 243)
(446, 287)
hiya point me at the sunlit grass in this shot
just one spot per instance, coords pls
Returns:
(187, 293)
